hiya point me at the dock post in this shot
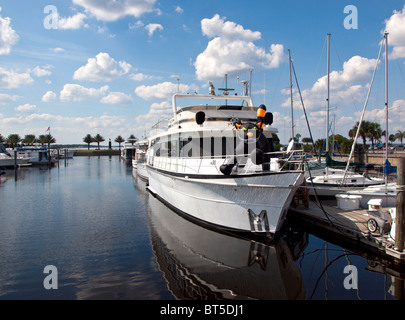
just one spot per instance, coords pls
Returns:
(400, 219)
(15, 165)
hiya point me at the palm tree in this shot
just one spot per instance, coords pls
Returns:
(132, 139)
(319, 144)
(364, 128)
(392, 138)
(374, 132)
(352, 133)
(400, 135)
(46, 139)
(119, 140)
(88, 139)
(29, 139)
(13, 139)
(98, 138)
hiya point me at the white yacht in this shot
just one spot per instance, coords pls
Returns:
(215, 165)
(7, 159)
(138, 162)
(37, 156)
(128, 150)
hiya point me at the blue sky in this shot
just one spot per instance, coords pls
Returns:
(110, 67)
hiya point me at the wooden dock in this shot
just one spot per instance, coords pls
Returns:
(348, 226)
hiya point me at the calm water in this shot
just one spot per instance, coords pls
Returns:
(109, 239)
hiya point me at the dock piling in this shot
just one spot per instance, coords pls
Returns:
(400, 208)
(15, 165)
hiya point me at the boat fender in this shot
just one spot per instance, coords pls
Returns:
(268, 118)
(226, 169)
(261, 111)
(200, 117)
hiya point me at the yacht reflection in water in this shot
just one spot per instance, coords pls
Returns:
(199, 263)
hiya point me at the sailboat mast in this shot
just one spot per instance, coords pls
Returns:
(291, 98)
(327, 99)
(386, 100)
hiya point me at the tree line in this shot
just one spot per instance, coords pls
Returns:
(368, 130)
(14, 139)
(98, 138)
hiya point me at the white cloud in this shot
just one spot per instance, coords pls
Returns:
(49, 96)
(232, 50)
(152, 27)
(27, 108)
(136, 25)
(101, 68)
(75, 92)
(217, 27)
(74, 22)
(163, 90)
(117, 98)
(39, 72)
(157, 112)
(141, 77)
(57, 50)
(179, 9)
(112, 10)
(6, 98)
(346, 86)
(395, 25)
(12, 79)
(8, 37)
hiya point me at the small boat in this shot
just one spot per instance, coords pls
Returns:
(333, 181)
(128, 150)
(216, 165)
(36, 156)
(8, 160)
(138, 162)
(386, 192)
(63, 153)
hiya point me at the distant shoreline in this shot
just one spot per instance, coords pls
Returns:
(88, 153)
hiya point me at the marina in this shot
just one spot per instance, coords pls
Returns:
(109, 238)
(219, 186)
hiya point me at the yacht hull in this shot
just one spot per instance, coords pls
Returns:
(256, 204)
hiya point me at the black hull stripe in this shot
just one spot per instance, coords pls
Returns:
(216, 176)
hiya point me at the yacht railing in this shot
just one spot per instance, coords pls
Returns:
(210, 164)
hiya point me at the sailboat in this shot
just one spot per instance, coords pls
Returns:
(387, 191)
(330, 182)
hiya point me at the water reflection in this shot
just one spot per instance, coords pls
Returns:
(198, 263)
